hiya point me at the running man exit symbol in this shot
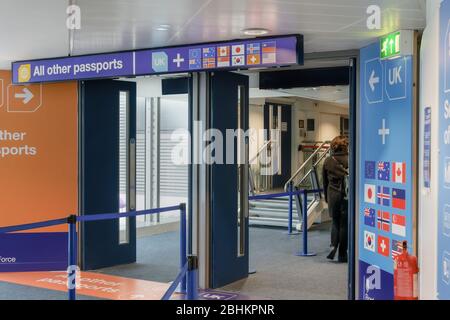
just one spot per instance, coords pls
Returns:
(383, 132)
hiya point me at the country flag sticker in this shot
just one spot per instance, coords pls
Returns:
(369, 217)
(369, 241)
(369, 194)
(399, 225)
(238, 50)
(253, 59)
(384, 246)
(223, 51)
(384, 221)
(399, 172)
(238, 60)
(399, 199)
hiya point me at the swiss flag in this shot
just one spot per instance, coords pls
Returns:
(384, 246)
(399, 172)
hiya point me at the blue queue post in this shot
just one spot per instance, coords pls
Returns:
(305, 252)
(290, 214)
(183, 254)
(192, 278)
(72, 257)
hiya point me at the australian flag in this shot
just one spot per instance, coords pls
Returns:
(369, 217)
(384, 196)
(384, 171)
(370, 170)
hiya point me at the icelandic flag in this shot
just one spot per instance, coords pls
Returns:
(399, 172)
(370, 170)
(369, 194)
(384, 221)
(399, 225)
(369, 217)
(399, 199)
(383, 196)
(397, 248)
(384, 171)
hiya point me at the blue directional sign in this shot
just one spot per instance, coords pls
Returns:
(386, 131)
(373, 81)
(443, 263)
(395, 78)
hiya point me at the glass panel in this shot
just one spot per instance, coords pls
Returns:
(242, 158)
(124, 228)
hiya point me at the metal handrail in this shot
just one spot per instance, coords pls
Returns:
(286, 186)
(265, 146)
(315, 165)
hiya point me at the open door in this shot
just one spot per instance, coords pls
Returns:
(229, 205)
(107, 166)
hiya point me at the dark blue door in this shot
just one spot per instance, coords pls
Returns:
(229, 183)
(280, 115)
(108, 118)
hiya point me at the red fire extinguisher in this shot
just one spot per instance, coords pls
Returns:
(405, 275)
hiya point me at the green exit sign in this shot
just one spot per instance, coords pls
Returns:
(390, 45)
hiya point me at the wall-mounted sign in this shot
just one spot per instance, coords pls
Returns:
(38, 166)
(443, 263)
(390, 45)
(386, 182)
(230, 55)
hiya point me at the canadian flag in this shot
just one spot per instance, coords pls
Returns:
(399, 172)
(369, 194)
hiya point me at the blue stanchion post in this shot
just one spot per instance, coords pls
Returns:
(192, 278)
(183, 251)
(290, 213)
(72, 257)
(305, 252)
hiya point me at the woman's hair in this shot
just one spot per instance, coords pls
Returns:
(339, 144)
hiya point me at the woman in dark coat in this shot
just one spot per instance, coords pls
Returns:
(335, 170)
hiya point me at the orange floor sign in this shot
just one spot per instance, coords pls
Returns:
(91, 284)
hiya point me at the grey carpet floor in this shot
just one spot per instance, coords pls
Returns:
(280, 274)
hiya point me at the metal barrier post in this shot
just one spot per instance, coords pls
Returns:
(72, 257)
(290, 215)
(183, 254)
(192, 274)
(305, 252)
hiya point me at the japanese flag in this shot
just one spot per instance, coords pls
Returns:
(238, 50)
(370, 194)
(399, 172)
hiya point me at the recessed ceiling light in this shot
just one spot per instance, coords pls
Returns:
(163, 27)
(255, 31)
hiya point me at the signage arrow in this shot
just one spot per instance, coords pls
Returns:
(373, 80)
(26, 95)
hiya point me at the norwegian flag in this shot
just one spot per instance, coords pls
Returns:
(397, 248)
(399, 172)
(384, 221)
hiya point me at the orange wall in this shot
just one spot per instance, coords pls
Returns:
(41, 186)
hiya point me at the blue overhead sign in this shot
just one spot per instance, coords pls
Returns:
(443, 262)
(386, 131)
(230, 55)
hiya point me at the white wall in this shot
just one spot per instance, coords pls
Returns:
(327, 117)
(428, 210)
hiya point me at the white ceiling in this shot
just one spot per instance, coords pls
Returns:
(37, 29)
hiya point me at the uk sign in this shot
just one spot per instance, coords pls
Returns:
(395, 81)
(386, 131)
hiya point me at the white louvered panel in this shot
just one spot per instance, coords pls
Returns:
(174, 178)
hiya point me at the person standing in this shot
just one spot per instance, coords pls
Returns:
(335, 172)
